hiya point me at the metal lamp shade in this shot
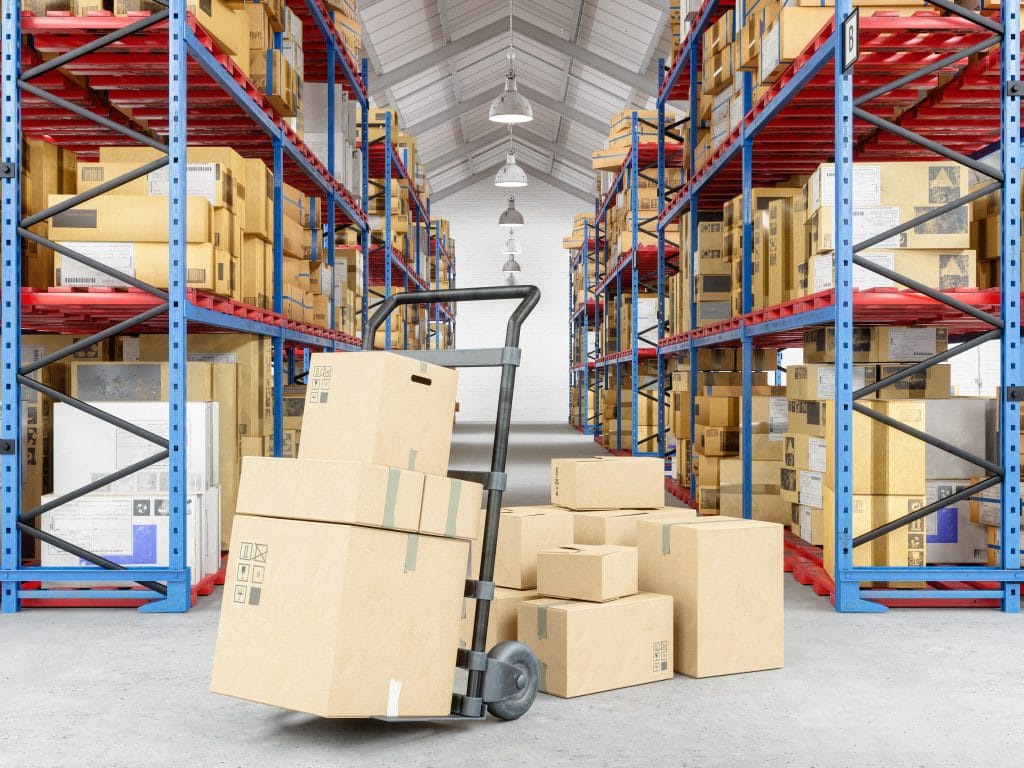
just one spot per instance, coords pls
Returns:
(512, 247)
(510, 106)
(510, 217)
(511, 265)
(510, 175)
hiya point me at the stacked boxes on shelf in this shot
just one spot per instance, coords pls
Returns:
(345, 14)
(617, 407)
(276, 64)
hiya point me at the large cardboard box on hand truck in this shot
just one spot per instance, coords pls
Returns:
(340, 620)
(358, 408)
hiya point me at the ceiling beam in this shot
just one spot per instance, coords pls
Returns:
(496, 29)
(520, 137)
(451, 113)
(533, 173)
(563, 109)
(439, 56)
(585, 56)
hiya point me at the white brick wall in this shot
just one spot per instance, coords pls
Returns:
(542, 382)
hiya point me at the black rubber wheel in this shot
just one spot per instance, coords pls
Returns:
(520, 656)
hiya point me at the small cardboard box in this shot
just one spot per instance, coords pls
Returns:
(451, 507)
(593, 572)
(608, 483)
(818, 382)
(878, 344)
(103, 219)
(591, 647)
(358, 395)
(809, 417)
(340, 620)
(613, 526)
(716, 411)
(717, 441)
(725, 578)
(522, 533)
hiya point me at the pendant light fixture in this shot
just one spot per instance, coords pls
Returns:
(510, 175)
(511, 249)
(510, 217)
(510, 106)
(511, 265)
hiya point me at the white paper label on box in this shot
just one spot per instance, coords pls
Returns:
(865, 278)
(212, 357)
(32, 353)
(200, 181)
(99, 525)
(778, 417)
(868, 222)
(827, 381)
(130, 350)
(769, 52)
(806, 524)
(119, 256)
(816, 453)
(911, 343)
(810, 489)
(867, 185)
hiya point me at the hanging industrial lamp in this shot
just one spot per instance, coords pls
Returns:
(510, 175)
(510, 217)
(512, 247)
(511, 265)
(511, 106)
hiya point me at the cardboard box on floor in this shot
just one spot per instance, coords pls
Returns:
(522, 533)
(340, 620)
(592, 572)
(591, 647)
(607, 483)
(503, 620)
(725, 577)
(613, 526)
(371, 397)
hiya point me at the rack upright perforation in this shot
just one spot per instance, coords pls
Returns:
(644, 266)
(180, 89)
(782, 133)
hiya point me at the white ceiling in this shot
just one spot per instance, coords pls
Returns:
(579, 62)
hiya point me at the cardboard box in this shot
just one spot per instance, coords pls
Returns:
(522, 533)
(818, 382)
(616, 526)
(956, 421)
(103, 219)
(450, 507)
(950, 534)
(802, 486)
(809, 417)
(725, 578)
(591, 647)
(359, 393)
(608, 483)
(766, 446)
(717, 411)
(592, 572)
(943, 270)
(717, 441)
(503, 619)
(932, 383)
(339, 620)
(786, 37)
(148, 262)
(805, 452)
(878, 344)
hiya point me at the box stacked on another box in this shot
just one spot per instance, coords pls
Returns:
(349, 562)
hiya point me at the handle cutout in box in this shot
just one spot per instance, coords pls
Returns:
(421, 380)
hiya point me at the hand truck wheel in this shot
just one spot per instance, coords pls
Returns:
(520, 656)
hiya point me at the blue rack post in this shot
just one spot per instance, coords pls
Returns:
(634, 334)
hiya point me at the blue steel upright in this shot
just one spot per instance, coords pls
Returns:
(634, 336)
(1010, 362)
(746, 347)
(662, 442)
(278, 342)
(10, 310)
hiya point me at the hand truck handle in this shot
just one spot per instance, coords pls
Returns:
(529, 295)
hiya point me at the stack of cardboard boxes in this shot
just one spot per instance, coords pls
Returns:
(617, 407)
(712, 277)
(349, 563)
(276, 70)
(345, 14)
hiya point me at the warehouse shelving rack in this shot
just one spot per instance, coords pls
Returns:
(641, 267)
(878, 113)
(74, 81)
(582, 321)
(444, 264)
(385, 269)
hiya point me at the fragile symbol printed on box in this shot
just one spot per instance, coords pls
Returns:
(319, 382)
(661, 659)
(251, 568)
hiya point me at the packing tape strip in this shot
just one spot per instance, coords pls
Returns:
(412, 458)
(453, 508)
(423, 367)
(542, 621)
(542, 676)
(666, 539)
(391, 496)
(412, 545)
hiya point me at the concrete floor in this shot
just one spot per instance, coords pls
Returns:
(910, 688)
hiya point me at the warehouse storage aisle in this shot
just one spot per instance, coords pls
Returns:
(97, 686)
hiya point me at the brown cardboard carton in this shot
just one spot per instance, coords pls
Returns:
(717, 441)
(590, 647)
(451, 507)
(808, 417)
(608, 483)
(340, 620)
(716, 411)
(767, 507)
(360, 394)
(503, 620)
(818, 382)
(592, 572)
(766, 446)
(616, 526)
(942, 268)
(522, 533)
(725, 578)
(878, 344)
(103, 219)
(933, 383)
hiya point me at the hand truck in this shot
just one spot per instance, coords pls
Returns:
(504, 680)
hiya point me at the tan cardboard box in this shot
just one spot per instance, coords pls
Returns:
(99, 381)
(591, 647)
(717, 441)
(503, 620)
(766, 507)
(766, 446)
(522, 533)
(878, 344)
(359, 393)
(451, 507)
(941, 268)
(592, 572)
(805, 452)
(340, 620)
(148, 262)
(818, 382)
(808, 417)
(331, 492)
(725, 577)
(716, 411)
(933, 383)
(608, 483)
(801, 486)
(259, 199)
(103, 219)
(616, 526)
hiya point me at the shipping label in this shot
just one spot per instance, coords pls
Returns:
(117, 256)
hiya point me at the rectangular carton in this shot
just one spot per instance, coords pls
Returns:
(592, 572)
(878, 344)
(522, 533)
(591, 647)
(716, 411)
(617, 526)
(358, 394)
(717, 441)
(725, 578)
(340, 620)
(607, 483)
(102, 219)
(148, 262)
(503, 620)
